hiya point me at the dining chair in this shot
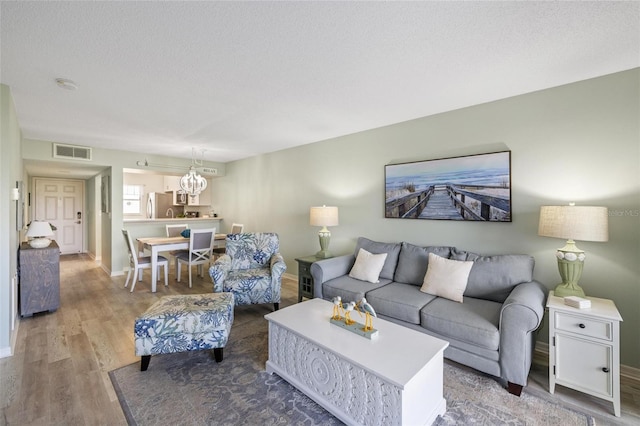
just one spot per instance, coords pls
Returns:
(200, 252)
(237, 228)
(138, 263)
(175, 231)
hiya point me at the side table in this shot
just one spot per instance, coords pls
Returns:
(305, 280)
(39, 279)
(584, 348)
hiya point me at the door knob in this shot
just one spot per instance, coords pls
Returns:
(605, 369)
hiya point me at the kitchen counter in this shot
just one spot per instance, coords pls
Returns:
(157, 227)
(169, 220)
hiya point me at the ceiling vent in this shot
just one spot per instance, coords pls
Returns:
(207, 171)
(71, 152)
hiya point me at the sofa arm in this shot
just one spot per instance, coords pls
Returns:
(328, 269)
(520, 316)
(218, 272)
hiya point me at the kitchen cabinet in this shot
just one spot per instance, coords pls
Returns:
(39, 278)
(172, 183)
(584, 348)
(193, 200)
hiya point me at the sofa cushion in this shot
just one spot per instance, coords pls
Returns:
(446, 277)
(475, 321)
(493, 277)
(399, 301)
(392, 250)
(349, 289)
(368, 266)
(413, 261)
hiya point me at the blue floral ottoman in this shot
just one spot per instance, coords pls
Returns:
(184, 323)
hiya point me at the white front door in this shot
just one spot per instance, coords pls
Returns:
(61, 203)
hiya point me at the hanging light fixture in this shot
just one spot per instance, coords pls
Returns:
(192, 183)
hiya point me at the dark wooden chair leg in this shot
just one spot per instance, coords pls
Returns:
(276, 306)
(514, 389)
(144, 362)
(217, 354)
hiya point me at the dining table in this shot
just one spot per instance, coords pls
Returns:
(160, 244)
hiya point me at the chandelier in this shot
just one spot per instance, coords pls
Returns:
(192, 183)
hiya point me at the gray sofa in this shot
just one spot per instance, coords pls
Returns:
(493, 330)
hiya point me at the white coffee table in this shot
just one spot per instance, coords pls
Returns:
(392, 380)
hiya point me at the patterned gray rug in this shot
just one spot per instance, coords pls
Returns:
(192, 389)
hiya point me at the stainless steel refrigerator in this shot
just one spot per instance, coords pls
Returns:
(159, 205)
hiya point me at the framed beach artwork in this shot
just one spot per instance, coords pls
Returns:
(471, 188)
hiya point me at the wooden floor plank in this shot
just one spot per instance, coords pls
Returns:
(65, 406)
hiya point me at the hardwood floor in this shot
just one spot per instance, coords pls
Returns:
(59, 372)
(598, 407)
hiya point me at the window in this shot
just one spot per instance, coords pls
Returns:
(132, 199)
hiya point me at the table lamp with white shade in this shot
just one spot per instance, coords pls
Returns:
(39, 233)
(323, 216)
(584, 223)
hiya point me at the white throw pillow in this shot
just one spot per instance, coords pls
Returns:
(446, 277)
(368, 266)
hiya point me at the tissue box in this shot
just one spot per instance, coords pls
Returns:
(577, 302)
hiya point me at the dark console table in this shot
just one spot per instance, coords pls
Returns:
(305, 280)
(39, 278)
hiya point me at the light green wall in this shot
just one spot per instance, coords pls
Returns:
(10, 172)
(579, 142)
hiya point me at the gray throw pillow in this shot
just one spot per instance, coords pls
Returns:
(413, 261)
(494, 277)
(374, 247)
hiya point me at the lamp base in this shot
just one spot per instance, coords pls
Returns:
(564, 290)
(40, 242)
(570, 264)
(323, 254)
(324, 236)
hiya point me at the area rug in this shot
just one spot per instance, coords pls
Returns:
(192, 389)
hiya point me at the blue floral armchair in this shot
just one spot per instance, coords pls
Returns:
(251, 269)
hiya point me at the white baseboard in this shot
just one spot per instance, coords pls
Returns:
(105, 269)
(542, 348)
(6, 352)
(10, 350)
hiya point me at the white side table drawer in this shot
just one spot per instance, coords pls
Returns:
(583, 325)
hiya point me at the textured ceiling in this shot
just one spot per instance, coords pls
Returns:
(243, 78)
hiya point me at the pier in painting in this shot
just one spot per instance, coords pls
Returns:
(452, 202)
